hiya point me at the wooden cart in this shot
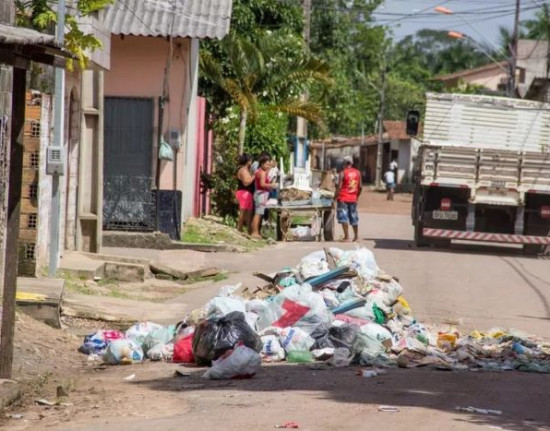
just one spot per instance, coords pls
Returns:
(326, 214)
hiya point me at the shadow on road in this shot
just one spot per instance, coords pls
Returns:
(523, 398)
(470, 248)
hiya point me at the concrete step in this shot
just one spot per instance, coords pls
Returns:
(41, 298)
(77, 265)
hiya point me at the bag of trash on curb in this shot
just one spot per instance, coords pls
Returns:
(295, 339)
(123, 352)
(159, 336)
(183, 350)
(240, 362)
(161, 352)
(139, 331)
(98, 341)
(272, 350)
(214, 337)
(296, 306)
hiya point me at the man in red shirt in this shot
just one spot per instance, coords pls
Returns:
(349, 189)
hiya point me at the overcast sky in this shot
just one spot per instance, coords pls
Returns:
(479, 19)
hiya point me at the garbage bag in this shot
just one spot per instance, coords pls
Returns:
(320, 335)
(159, 336)
(161, 352)
(344, 335)
(330, 298)
(183, 350)
(296, 306)
(221, 306)
(123, 352)
(295, 339)
(342, 357)
(139, 331)
(255, 306)
(372, 341)
(214, 337)
(241, 362)
(272, 349)
(313, 264)
(98, 341)
(352, 320)
(362, 260)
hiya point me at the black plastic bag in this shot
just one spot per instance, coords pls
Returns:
(320, 335)
(344, 335)
(213, 338)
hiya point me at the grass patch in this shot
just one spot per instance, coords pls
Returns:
(214, 232)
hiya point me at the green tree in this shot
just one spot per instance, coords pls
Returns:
(539, 27)
(265, 72)
(41, 15)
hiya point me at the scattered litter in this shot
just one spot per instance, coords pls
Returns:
(391, 409)
(14, 416)
(288, 425)
(44, 402)
(179, 373)
(471, 409)
(241, 362)
(372, 373)
(130, 377)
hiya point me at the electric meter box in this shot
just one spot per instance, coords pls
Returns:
(55, 160)
(174, 138)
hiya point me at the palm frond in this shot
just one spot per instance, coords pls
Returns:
(311, 111)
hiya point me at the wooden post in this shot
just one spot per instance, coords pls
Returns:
(12, 227)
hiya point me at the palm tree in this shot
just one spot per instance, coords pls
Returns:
(265, 73)
(539, 28)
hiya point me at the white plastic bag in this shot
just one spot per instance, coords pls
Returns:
(295, 339)
(228, 290)
(256, 306)
(220, 306)
(272, 350)
(158, 336)
(330, 298)
(362, 260)
(123, 352)
(313, 264)
(161, 352)
(139, 331)
(239, 362)
(342, 358)
(296, 306)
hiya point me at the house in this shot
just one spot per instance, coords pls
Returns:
(396, 145)
(154, 130)
(492, 76)
(533, 58)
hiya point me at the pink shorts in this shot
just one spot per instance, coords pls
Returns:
(245, 199)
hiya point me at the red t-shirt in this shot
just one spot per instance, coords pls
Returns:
(258, 182)
(350, 185)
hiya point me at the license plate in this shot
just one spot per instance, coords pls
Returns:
(445, 215)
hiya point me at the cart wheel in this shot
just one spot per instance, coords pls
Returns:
(328, 225)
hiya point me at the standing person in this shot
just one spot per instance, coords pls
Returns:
(261, 194)
(245, 193)
(389, 180)
(349, 189)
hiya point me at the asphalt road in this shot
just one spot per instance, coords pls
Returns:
(472, 286)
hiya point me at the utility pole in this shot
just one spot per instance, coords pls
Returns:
(301, 129)
(58, 132)
(514, 54)
(380, 145)
(14, 84)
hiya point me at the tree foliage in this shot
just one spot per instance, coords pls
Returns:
(41, 15)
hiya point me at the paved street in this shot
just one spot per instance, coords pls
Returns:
(472, 286)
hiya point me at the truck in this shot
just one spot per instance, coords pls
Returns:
(482, 172)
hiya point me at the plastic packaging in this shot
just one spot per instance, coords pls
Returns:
(220, 306)
(272, 349)
(296, 306)
(183, 350)
(161, 352)
(159, 336)
(295, 339)
(123, 352)
(139, 331)
(299, 357)
(97, 342)
(213, 338)
(342, 358)
(313, 264)
(240, 362)
(344, 335)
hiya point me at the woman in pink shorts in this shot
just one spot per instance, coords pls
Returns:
(245, 193)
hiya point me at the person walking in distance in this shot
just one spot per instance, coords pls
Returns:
(389, 180)
(349, 189)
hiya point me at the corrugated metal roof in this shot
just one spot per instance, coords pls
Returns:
(11, 35)
(177, 18)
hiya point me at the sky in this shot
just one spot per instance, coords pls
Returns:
(479, 19)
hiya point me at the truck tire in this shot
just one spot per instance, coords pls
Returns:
(328, 225)
(419, 238)
(532, 249)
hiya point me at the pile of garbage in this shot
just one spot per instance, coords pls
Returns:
(353, 313)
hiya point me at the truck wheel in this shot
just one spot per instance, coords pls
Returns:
(419, 238)
(328, 225)
(532, 249)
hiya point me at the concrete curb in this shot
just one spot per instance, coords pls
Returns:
(10, 392)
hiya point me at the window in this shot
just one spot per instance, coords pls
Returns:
(35, 129)
(33, 191)
(34, 160)
(30, 250)
(32, 221)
